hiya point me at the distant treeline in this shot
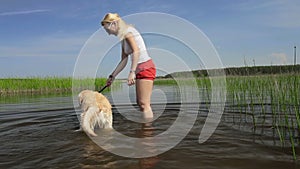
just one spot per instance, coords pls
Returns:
(241, 71)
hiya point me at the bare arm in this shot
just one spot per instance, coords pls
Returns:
(121, 65)
(134, 61)
(135, 51)
(118, 69)
(134, 58)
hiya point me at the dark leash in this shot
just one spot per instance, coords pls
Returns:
(102, 89)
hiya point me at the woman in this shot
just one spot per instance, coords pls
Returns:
(142, 70)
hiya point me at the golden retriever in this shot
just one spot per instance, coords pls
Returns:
(96, 111)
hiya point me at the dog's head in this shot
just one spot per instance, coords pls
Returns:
(86, 97)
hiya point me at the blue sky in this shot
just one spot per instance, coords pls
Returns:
(44, 38)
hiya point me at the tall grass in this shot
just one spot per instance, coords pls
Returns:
(36, 85)
(266, 102)
(204, 86)
(277, 93)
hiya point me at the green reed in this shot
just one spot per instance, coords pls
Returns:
(40, 85)
(203, 84)
(263, 102)
(278, 93)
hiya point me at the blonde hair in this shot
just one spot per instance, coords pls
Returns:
(110, 17)
(114, 17)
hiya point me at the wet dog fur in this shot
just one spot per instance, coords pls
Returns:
(96, 111)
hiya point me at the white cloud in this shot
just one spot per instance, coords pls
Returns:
(23, 12)
(279, 58)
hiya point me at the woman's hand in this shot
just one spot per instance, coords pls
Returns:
(110, 80)
(131, 78)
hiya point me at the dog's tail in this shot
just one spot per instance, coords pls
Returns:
(89, 120)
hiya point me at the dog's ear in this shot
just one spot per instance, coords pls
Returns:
(80, 99)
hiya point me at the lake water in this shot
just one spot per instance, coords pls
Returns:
(40, 132)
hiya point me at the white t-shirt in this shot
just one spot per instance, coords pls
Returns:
(140, 43)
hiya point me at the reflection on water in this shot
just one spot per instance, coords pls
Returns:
(39, 132)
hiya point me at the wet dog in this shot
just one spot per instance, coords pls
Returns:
(96, 111)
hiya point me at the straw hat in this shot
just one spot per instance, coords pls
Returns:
(110, 17)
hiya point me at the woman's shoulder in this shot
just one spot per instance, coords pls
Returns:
(132, 30)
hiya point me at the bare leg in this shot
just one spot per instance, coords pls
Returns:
(143, 95)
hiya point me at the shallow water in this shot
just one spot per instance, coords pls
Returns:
(39, 132)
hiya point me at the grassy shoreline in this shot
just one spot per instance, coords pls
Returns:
(23, 86)
(36, 85)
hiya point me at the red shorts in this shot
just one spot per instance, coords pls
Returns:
(146, 70)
